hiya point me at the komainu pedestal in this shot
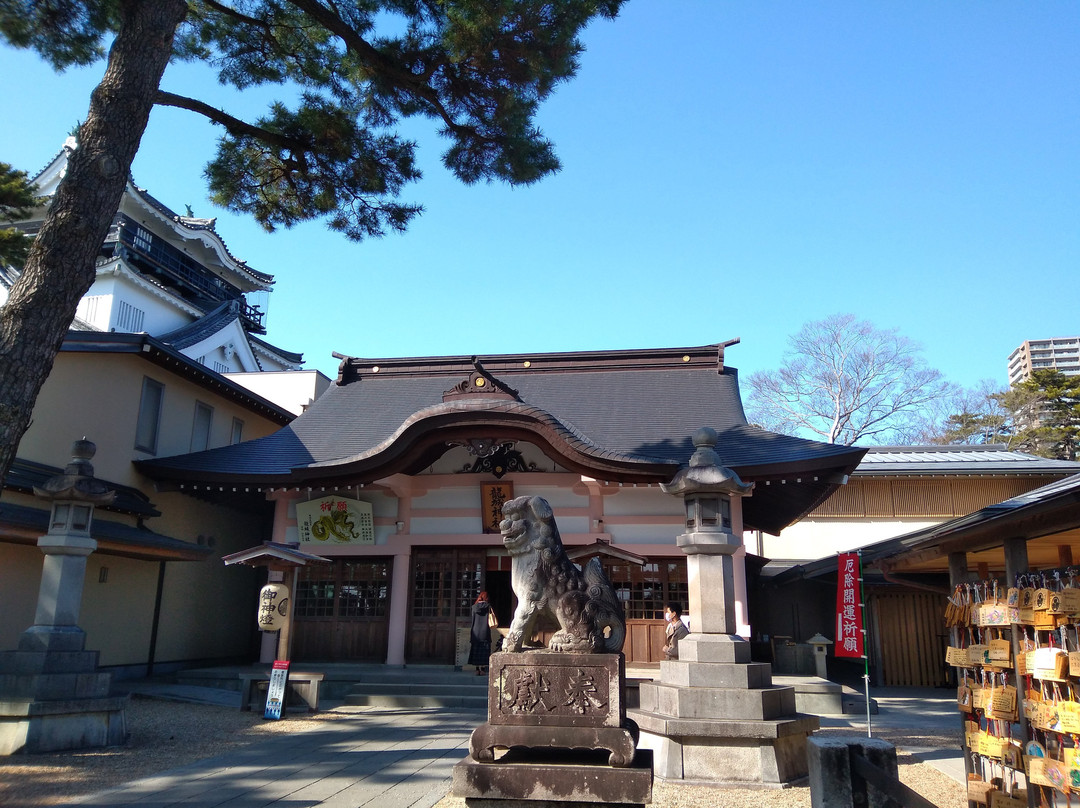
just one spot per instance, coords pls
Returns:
(557, 731)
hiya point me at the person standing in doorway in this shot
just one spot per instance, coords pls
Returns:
(674, 631)
(483, 620)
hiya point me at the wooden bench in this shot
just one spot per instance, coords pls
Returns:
(304, 685)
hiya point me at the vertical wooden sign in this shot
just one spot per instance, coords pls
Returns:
(492, 497)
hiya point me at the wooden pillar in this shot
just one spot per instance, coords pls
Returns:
(1016, 559)
(1064, 555)
(958, 574)
(399, 607)
(1016, 563)
(958, 569)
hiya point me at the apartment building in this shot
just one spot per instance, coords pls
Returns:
(1058, 353)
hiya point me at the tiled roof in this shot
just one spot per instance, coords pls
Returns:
(957, 460)
(113, 538)
(206, 326)
(628, 415)
(25, 475)
(288, 356)
(155, 350)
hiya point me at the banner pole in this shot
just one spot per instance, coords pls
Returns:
(866, 647)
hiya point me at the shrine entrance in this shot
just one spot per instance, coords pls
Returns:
(342, 611)
(644, 590)
(444, 583)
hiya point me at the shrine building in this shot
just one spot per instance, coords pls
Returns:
(397, 473)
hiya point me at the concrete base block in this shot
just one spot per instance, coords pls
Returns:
(831, 781)
(541, 780)
(714, 648)
(684, 673)
(53, 726)
(729, 761)
(27, 662)
(819, 697)
(52, 638)
(710, 702)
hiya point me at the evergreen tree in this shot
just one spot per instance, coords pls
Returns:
(16, 201)
(479, 68)
(1046, 414)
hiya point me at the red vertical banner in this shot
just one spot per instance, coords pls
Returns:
(850, 639)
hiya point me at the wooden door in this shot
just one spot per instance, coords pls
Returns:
(342, 611)
(444, 585)
(644, 591)
(911, 637)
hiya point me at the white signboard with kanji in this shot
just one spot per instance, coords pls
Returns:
(335, 520)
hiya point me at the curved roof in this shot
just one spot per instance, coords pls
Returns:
(619, 416)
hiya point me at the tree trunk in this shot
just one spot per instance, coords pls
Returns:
(60, 267)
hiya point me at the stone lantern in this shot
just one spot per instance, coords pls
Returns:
(715, 716)
(52, 696)
(66, 546)
(711, 539)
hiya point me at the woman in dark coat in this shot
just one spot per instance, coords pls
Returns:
(480, 636)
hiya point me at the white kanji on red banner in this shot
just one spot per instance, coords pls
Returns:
(849, 619)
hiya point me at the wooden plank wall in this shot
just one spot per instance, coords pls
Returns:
(924, 497)
(911, 637)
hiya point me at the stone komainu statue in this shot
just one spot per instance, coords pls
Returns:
(590, 616)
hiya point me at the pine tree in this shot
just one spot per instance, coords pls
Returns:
(478, 68)
(16, 201)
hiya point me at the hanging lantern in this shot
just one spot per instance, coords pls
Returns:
(273, 607)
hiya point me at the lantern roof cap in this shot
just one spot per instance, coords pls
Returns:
(77, 483)
(705, 473)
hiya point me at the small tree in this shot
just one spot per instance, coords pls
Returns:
(845, 380)
(970, 416)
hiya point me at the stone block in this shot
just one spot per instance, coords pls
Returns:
(744, 762)
(549, 688)
(54, 686)
(683, 673)
(23, 662)
(713, 648)
(553, 778)
(688, 728)
(831, 781)
(819, 697)
(53, 726)
(619, 742)
(717, 702)
(52, 638)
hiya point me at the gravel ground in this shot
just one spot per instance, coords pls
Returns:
(164, 735)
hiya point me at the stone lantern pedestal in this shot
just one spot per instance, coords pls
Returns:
(715, 717)
(52, 696)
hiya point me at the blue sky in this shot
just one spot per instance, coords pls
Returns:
(729, 170)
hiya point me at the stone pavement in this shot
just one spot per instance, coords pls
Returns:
(394, 758)
(378, 757)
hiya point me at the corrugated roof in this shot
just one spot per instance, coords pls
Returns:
(957, 460)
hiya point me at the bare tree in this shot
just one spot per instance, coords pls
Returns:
(845, 380)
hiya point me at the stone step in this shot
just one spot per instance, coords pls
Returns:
(414, 701)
